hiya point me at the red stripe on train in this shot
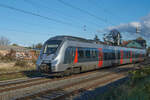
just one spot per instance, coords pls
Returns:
(130, 56)
(76, 56)
(100, 63)
(121, 56)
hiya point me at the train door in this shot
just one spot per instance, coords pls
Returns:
(107, 57)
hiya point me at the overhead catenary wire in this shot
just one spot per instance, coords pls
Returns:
(32, 4)
(105, 10)
(30, 33)
(55, 10)
(35, 14)
(84, 11)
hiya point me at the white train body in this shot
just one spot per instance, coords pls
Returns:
(61, 53)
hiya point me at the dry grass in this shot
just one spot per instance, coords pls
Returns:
(13, 76)
(26, 71)
(11, 66)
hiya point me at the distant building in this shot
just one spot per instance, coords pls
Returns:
(141, 41)
(137, 43)
(124, 43)
(133, 44)
(15, 48)
(19, 52)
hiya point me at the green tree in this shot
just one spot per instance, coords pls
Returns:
(14, 44)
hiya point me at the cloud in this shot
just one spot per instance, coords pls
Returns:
(130, 28)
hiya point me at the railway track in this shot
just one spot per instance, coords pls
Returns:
(31, 87)
(56, 88)
(37, 80)
(19, 82)
(64, 91)
(67, 91)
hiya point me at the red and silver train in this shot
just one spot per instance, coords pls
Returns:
(67, 54)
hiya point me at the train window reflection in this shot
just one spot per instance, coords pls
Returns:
(51, 46)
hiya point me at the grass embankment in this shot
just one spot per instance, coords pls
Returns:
(136, 88)
(9, 64)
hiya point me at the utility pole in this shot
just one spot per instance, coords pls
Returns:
(137, 29)
(118, 39)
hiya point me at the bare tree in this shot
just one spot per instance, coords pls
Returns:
(4, 41)
(113, 38)
(38, 46)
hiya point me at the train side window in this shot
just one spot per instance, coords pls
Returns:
(87, 53)
(105, 55)
(109, 55)
(92, 53)
(81, 53)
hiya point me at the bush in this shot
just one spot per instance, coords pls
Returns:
(139, 75)
(34, 61)
(8, 57)
(21, 63)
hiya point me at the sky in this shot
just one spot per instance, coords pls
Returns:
(28, 22)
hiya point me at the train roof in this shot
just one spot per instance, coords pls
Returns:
(65, 37)
(78, 39)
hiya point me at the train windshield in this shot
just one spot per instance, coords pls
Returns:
(51, 46)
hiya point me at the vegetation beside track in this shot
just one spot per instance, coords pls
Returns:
(22, 74)
(12, 76)
(10, 64)
(11, 68)
(136, 88)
